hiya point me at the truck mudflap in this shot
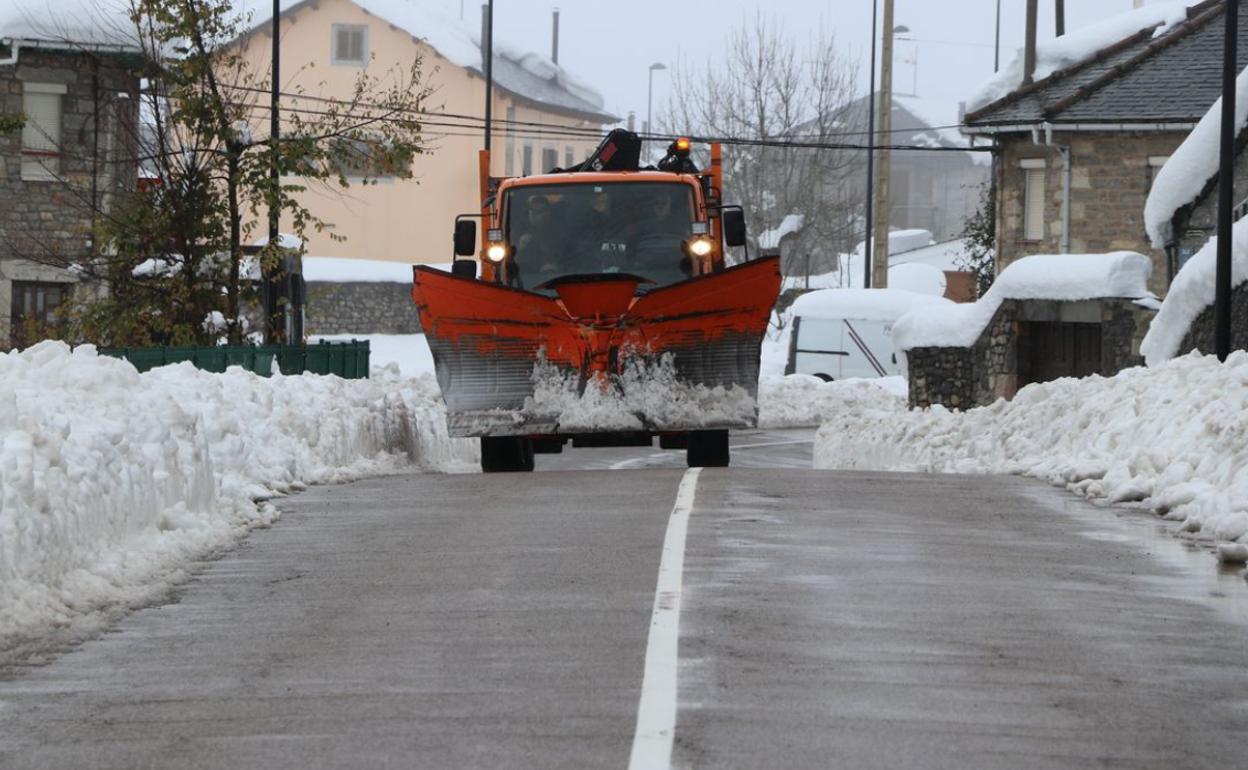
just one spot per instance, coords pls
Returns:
(598, 357)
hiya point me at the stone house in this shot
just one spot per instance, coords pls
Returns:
(1044, 318)
(76, 93)
(1080, 147)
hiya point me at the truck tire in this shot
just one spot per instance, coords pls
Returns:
(506, 454)
(708, 449)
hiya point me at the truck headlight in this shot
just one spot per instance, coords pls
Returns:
(700, 247)
(496, 252)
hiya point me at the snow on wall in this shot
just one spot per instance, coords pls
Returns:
(1042, 276)
(1173, 437)
(1193, 291)
(1191, 166)
(865, 304)
(112, 481)
(1077, 45)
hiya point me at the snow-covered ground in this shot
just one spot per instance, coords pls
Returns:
(112, 482)
(1173, 437)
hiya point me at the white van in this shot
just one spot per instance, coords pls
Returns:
(842, 333)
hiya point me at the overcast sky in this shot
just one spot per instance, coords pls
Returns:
(612, 44)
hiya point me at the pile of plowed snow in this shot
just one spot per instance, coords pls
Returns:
(112, 481)
(800, 400)
(1173, 437)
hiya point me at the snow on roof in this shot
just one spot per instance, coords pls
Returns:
(901, 241)
(865, 304)
(523, 73)
(1192, 292)
(70, 23)
(919, 278)
(1043, 276)
(941, 119)
(1190, 168)
(944, 255)
(770, 239)
(1079, 44)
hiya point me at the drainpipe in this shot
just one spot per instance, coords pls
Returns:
(1064, 150)
(17, 47)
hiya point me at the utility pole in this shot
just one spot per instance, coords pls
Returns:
(996, 53)
(879, 267)
(1226, 186)
(274, 329)
(487, 53)
(866, 262)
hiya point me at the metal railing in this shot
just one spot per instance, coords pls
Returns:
(348, 360)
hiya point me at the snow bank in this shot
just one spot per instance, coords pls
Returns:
(1193, 291)
(1191, 166)
(1173, 437)
(866, 304)
(112, 482)
(1042, 276)
(1077, 45)
(800, 400)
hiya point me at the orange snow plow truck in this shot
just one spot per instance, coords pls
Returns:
(597, 308)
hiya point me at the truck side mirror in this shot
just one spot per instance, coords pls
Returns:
(464, 268)
(465, 237)
(734, 227)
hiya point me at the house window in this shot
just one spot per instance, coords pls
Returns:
(41, 135)
(568, 162)
(1155, 162)
(1034, 184)
(350, 45)
(526, 164)
(550, 159)
(510, 162)
(34, 309)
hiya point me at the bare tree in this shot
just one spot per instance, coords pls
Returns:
(770, 90)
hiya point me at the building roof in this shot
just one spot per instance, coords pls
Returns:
(97, 25)
(528, 76)
(1165, 69)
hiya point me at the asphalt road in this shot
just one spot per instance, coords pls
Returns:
(825, 620)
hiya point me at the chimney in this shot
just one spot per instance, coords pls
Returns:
(554, 38)
(1029, 45)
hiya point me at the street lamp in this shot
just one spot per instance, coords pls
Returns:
(658, 65)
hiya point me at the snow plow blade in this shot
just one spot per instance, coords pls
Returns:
(600, 357)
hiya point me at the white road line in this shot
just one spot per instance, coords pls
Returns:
(656, 713)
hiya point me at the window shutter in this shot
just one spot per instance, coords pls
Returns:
(41, 136)
(1033, 215)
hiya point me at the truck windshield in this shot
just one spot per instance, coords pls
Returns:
(622, 227)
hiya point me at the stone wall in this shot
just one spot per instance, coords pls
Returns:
(49, 219)
(360, 308)
(944, 376)
(1110, 180)
(1200, 335)
(996, 367)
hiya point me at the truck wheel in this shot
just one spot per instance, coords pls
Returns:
(506, 454)
(708, 449)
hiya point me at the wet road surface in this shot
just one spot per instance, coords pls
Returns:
(825, 620)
